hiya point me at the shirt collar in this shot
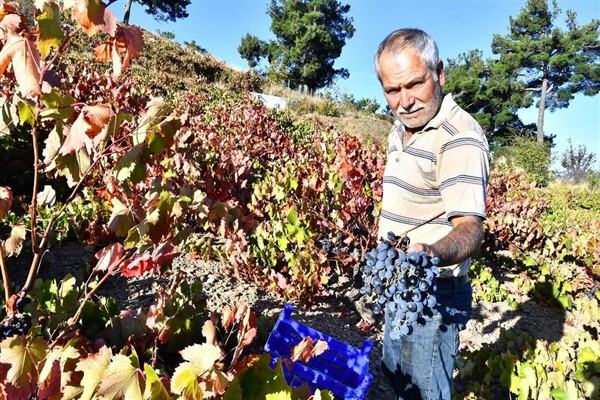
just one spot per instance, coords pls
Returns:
(446, 108)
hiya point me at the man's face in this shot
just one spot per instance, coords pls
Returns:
(411, 88)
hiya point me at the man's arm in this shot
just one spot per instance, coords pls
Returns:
(462, 242)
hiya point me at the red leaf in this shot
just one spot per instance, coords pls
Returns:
(138, 266)
(109, 257)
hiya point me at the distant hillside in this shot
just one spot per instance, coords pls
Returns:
(167, 68)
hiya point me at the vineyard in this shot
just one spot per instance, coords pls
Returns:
(123, 142)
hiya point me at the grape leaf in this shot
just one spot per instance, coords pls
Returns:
(201, 357)
(92, 367)
(49, 26)
(26, 63)
(122, 379)
(73, 166)
(46, 197)
(121, 219)
(14, 244)
(109, 257)
(92, 16)
(185, 383)
(87, 128)
(23, 358)
(155, 389)
(131, 167)
(210, 333)
(127, 42)
(307, 349)
(6, 197)
(138, 266)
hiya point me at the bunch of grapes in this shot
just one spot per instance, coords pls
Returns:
(19, 323)
(401, 282)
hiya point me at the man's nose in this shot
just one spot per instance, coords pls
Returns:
(407, 99)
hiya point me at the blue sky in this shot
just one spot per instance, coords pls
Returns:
(457, 25)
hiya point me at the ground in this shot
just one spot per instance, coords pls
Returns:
(331, 314)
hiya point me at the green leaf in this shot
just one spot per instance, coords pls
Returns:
(26, 112)
(587, 355)
(121, 220)
(131, 167)
(50, 28)
(155, 390)
(559, 394)
(292, 217)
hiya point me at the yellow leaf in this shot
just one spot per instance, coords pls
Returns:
(202, 357)
(185, 383)
(23, 358)
(122, 379)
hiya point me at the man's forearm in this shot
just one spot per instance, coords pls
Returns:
(461, 243)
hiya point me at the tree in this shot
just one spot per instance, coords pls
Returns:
(252, 49)
(552, 64)
(310, 37)
(577, 163)
(162, 10)
(488, 93)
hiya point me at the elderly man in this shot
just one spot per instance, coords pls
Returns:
(435, 193)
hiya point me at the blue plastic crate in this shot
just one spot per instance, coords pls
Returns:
(341, 369)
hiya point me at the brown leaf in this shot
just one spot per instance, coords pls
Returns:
(307, 349)
(210, 333)
(249, 337)
(25, 59)
(103, 52)
(14, 243)
(93, 16)
(87, 128)
(6, 197)
(131, 42)
(227, 317)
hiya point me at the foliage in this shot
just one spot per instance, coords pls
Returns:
(522, 151)
(533, 369)
(310, 36)
(552, 64)
(577, 163)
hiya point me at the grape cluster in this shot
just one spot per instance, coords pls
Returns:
(19, 323)
(401, 282)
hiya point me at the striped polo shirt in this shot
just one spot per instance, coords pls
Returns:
(441, 172)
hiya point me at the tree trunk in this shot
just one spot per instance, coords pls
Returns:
(541, 109)
(127, 12)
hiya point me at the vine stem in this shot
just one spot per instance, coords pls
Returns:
(73, 320)
(5, 280)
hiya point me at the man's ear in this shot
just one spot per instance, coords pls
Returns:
(440, 72)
